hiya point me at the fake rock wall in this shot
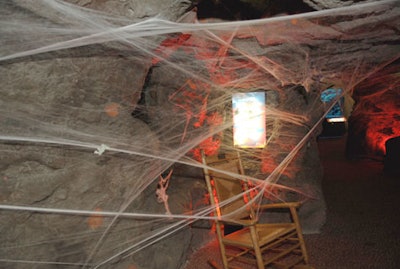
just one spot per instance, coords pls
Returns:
(85, 91)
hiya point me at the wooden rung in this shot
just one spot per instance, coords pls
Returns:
(281, 254)
(232, 256)
(281, 240)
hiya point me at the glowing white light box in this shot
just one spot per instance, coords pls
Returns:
(249, 119)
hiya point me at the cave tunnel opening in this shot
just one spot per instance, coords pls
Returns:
(363, 140)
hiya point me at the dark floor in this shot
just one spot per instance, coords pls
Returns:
(363, 217)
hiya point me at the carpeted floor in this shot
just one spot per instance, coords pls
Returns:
(363, 217)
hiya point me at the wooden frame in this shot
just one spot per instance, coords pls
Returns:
(261, 244)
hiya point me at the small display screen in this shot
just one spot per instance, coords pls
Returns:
(249, 119)
(328, 96)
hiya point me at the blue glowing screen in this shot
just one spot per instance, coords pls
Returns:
(329, 95)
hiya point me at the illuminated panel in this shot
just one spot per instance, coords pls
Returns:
(336, 113)
(339, 119)
(249, 120)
